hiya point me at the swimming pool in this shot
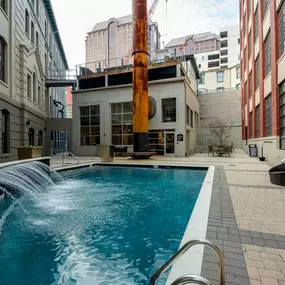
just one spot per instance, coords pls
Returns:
(102, 225)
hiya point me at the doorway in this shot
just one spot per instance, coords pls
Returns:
(169, 143)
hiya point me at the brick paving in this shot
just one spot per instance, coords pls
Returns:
(246, 219)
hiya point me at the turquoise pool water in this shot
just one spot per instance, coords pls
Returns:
(105, 225)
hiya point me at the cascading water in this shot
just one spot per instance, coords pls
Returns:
(27, 178)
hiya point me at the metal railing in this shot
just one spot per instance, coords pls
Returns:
(180, 252)
(68, 163)
(53, 74)
(193, 279)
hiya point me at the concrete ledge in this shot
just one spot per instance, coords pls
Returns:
(45, 160)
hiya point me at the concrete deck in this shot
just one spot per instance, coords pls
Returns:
(246, 217)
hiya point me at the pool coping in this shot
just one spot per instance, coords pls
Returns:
(198, 222)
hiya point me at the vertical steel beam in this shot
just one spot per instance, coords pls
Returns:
(140, 76)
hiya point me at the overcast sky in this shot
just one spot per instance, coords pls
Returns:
(76, 18)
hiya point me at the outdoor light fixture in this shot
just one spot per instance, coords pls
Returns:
(28, 123)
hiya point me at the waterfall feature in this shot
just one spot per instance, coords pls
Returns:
(27, 178)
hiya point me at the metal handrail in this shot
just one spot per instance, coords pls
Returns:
(182, 250)
(70, 153)
(194, 279)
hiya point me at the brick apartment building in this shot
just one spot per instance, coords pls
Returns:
(262, 38)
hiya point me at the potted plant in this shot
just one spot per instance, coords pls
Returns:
(29, 151)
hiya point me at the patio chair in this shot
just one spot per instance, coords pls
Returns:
(227, 150)
(211, 150)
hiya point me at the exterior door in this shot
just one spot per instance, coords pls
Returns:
(169, 143)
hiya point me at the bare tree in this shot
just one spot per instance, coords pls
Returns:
(221, 129)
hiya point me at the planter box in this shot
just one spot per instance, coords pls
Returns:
(29, 152)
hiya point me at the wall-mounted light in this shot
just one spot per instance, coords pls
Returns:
(28, 123)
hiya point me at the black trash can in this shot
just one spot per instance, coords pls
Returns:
(277, 175)
(252, 150)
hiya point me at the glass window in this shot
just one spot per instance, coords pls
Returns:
(29, 86)
(250, 85)
(156, 141)
(31, 136)
(268, 117)
(282, 115)
(220, 76)
(257, 73)
(220, 89)
(3, 5)
(245, 92)
(169, 110)
(90, 125)
(258, 121)
(281, 25)
(2, 59)
(37, 40)
(37, 7)
(265, 7)
(256, 26)
(202, 78)
(5, 131)
(39, 95)
(250, 43)
(191, 119)
(32, 33)
(267, 51)
(187, 119)
(27, 23)
(40, 138)
(122, 123)
(238, 72)
(34, 87)
(250, 126)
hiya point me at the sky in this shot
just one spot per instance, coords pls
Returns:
(76, 18)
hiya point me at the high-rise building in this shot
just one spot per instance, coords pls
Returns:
(31, 51)
(109, 43)
(262, 34)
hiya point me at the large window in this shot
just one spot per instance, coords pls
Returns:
(27, 23)
(250, 85)
(256, 26)
(267, 51)
(187, 119)
(169, 110)
(250, 126)
(29, 86)
(258, 121)
(220, 76)
(31, 136)
(268, 117)
(90, 125)
(265, 7)
(257, 73)
(5, 131)
(282, 115)
(281, 24)
(122, 123)
(2, 59)
(238, 72)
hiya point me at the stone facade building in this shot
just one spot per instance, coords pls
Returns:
(31, 51)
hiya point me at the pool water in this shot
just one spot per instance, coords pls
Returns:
(102, 225)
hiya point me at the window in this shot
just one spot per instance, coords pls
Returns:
(250, 126)
(224, 44)
(40, 138)
(250, 85)
(199, 65)
(34, 87)
(2, 60)
(257, 73)
(5, 131)
(33, 3)
(224, 34)
(238, 72)
(213, 64)
(29, 91)
(281, 25)
(257, 109)
(37, 40)
(196, 119)
(122, 123)
(3, 5)
(27, 23)
(282, 115)
(244, 23)
(202, 78)
(238, 40)
(46, 30)
(267, 51)
(187, 119)
(31, 136)
(39, 95)
(238, 86)
(250, 43)
(213, 56)
(224, 60)
(245, 92)
(268, 117)
(169, 110)
(32, 33)
(224, 52)
(191, 118)
(256, 26)
(265, 7)
(90, 125)
(220, 89)
(37, 7)
(220, 76)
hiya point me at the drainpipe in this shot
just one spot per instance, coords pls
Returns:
(140, 76)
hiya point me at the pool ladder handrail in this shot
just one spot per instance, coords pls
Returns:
(193, 279)
(180, 252)
(68, 163)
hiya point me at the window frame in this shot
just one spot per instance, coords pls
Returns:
(221, 79)
(164, 115)
(268, 116)
(250, 85)
(281, 29)
(257, 73)
(35, 88)
(32, 32)
(29, 86)
(5, 131)
(3, 46)
(256, 24)
(27, 23)
(267, 54)
(257, 114)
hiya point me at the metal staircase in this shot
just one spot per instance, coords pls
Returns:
(192, 279)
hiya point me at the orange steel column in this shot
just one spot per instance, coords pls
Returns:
(140, 76)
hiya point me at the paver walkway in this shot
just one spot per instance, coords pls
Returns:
(247, 218)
